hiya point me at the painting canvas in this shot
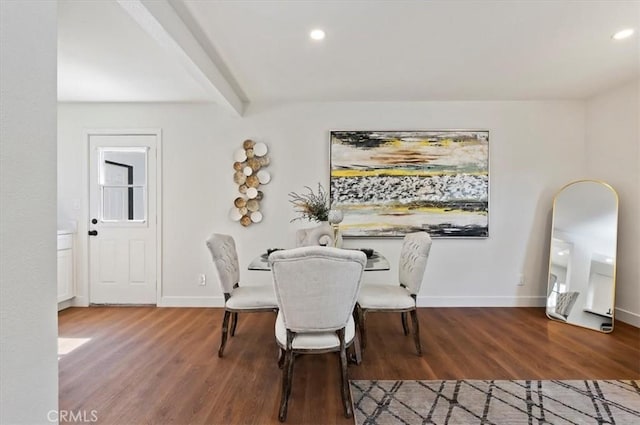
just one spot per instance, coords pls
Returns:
(389, 183)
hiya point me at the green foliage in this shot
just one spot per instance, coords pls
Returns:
(311, 206)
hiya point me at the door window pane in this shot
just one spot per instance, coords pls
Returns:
(123, 184)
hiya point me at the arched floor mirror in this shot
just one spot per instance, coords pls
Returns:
(582, 257)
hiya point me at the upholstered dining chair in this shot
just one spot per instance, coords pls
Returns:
(247, 299)
(400, 298)
(565, 302)
(316, 289)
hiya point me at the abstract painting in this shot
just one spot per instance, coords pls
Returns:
(389, 183)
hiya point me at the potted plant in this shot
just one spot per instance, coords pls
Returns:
(310, 205)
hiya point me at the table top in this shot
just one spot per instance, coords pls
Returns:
(376, 262)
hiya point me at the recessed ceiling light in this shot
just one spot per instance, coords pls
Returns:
(621, 35)
(317, 34)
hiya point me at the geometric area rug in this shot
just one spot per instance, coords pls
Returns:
(503, 402)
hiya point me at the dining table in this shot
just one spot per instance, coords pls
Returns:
(375, 261)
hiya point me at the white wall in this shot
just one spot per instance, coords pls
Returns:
(28, 313)
(613, 147)
(535, 148)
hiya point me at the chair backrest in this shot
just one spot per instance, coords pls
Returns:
(225, 258)
(413, 260)
(318, 235)
(565, 302)
(317, 287)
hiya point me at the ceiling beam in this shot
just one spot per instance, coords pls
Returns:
(159, 19)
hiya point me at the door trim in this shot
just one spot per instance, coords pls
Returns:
(83, 287)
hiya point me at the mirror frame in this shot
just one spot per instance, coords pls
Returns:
(615, 257)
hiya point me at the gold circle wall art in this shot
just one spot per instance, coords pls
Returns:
(249, 174)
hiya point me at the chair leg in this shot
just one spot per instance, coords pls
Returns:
(281, 358)
(356, 355)
(292, 359)
(356, 315)
(362, 313)
(234, 323)
(405, 328)
(416, 330)
(225, 330)
(284, 399)
(287, 377)
(346, 402)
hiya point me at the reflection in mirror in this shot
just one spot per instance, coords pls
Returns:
(582, 255)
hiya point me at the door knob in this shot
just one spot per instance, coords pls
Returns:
(94, 220)
(93, 233)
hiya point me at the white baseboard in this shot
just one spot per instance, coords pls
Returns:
(628, 317)
(178, 301)
(527, 301)
(79, 301)
(64, 304)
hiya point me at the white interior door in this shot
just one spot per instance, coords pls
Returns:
(122, 218)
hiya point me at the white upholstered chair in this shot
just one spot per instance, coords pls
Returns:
(316, 289)
(321, 234)
(400, 298)
(565, 302)
(237, 298)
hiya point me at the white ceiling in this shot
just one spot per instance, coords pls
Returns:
(259, 51)
(104, 56)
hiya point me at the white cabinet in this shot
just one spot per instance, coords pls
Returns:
(65, 267)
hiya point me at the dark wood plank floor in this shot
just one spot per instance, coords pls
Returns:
(159, 365)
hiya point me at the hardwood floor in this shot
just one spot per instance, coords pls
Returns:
(160, 365)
